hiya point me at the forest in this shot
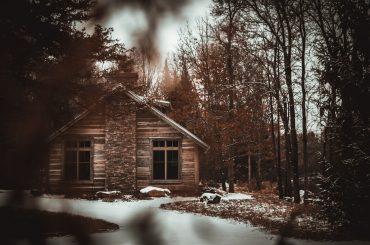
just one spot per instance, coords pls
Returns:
(279, 89)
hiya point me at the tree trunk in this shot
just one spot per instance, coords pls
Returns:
(230, 74)
(286, 39)
(231, 175)
(288, 152)
(223, 181)
(258, 175)
(302, 30)
(280, 184)
(275, 151)
(249, 171)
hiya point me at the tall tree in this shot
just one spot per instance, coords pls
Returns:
(278, 20)
(302, 11)
(43, 69)
(228, 11)
(342, 49)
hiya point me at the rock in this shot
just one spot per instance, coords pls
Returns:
(215, 200)
(108, 195)
(210, 198)
(152, 191)
(155, 193)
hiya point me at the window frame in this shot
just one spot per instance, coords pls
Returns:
(165, 148)
(91, 149)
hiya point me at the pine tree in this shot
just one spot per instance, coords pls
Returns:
(345, 79)
(46, 63)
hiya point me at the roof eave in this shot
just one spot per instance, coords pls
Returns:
(170, 121)
(139, 100)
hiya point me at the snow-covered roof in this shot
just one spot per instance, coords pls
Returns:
(138, 99)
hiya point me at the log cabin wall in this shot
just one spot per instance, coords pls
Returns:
(121, 150)
(91, 128)
(149, 127)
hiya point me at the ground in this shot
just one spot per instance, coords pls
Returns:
(142, 222)
(267, 211)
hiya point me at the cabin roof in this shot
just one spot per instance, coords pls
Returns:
(140, 100)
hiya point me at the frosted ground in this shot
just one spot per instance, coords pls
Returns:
(174, 227)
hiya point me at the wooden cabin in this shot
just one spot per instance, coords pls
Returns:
(123, 142)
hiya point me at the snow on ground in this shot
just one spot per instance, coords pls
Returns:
(173, 227)
(237, 196)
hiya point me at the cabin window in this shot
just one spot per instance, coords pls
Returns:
(166, 159)
(77, 160)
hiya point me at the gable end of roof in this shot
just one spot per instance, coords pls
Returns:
(168, 120)
(140, 100)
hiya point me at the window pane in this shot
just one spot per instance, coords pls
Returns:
(158, 170)
(84, 165)
(172, 143)
(172, 170)
(158, 156)
(77, 162)
(70, 171)
(85, 144)
(172, 164)
(158, 143)
(84, 171)
(172, 155)
(84, 156)
(158, 165)
(71, 144)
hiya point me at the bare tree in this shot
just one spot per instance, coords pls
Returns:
(277, 18)
(149, 71)
(303, 36)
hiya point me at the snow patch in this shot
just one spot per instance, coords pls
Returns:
(238, 196)
(178, 228)
(108, 192)
(153, 188)
(301, 195)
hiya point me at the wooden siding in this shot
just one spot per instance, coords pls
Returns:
(149, 126)
(92, 127)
